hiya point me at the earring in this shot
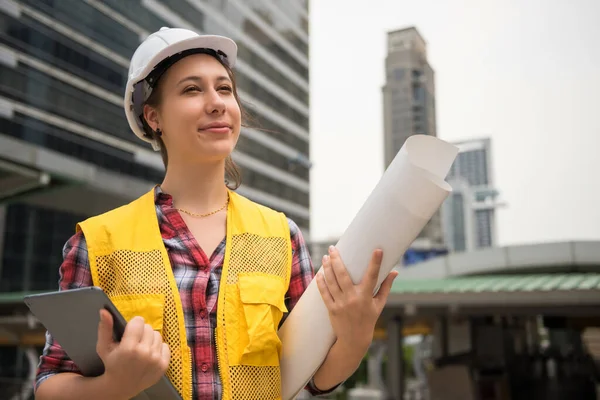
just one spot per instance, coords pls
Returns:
(158, 132)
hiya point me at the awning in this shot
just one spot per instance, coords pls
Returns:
(45, 178)
(12, 299)
(500, 292)
(17, 180)
(500, 283)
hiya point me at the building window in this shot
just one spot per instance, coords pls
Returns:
(419, 94)
(46, 231)
(33, 38)
(458, 227)
(260, 152)
(93, 24)
(484, 228)
(399, 74)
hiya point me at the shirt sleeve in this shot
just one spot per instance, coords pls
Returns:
(74, 273)
(301, 276)
(302, 268)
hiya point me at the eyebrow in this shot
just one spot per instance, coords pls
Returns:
(196, 78)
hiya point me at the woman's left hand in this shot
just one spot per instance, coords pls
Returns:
(353, 310)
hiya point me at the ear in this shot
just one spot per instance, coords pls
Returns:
(151, 116)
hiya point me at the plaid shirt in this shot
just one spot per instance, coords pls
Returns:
(197, 278)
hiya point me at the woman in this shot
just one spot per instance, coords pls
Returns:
(203, 275)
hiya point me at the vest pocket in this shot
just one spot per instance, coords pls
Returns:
(148, 306)
(262, 299)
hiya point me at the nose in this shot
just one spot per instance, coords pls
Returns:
(214, 102)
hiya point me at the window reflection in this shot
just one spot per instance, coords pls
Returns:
(263, 153)
(39, 90)
(85, 19)
(50, 230)
(291, 32)
(277, 132)
(35, 39)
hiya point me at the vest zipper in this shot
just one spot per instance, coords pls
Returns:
(190, 388)
(218, 359)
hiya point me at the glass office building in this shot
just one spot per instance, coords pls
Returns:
(66, 151)
(470, 210)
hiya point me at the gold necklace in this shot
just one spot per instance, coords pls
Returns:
(207, 214)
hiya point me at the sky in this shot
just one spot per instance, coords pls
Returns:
(525, 73)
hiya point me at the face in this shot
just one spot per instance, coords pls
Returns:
(198, 113)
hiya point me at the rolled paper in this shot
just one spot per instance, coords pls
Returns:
(408, 194)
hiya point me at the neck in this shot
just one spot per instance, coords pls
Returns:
(196, 188)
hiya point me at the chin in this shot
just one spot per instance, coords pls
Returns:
(213, 150)
(215, 153)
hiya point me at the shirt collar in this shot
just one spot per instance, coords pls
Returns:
(161, 198)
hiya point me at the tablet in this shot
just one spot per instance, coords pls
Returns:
(72, 317)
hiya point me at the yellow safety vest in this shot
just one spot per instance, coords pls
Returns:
(128, 260)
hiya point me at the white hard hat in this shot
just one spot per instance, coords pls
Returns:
(163, 48)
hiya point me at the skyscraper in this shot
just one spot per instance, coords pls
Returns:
(470, 210)
(409, 104)
(66, 150)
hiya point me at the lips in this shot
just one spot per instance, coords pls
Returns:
(216, 127)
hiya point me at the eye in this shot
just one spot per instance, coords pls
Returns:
(191, 89)
(225, 88)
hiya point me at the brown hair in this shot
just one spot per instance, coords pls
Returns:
(233, 175)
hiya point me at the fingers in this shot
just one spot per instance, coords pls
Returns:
(324, 290)
(385, 289)
(337, 278)
(157, 342)
(148, 336)
(339, 269)
(162, 350)
(372, 274)
(330, 278)
(105, 333)
(134, 331)
(165, 356)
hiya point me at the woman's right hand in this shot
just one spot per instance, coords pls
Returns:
(135, 363)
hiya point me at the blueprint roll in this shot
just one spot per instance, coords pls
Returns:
(409, 193)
